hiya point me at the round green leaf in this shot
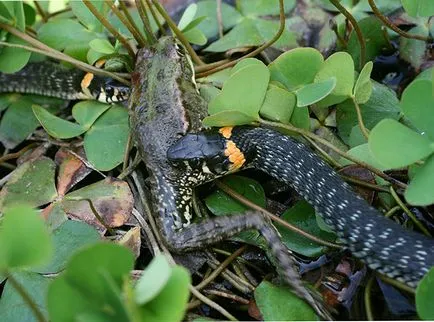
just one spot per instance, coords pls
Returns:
(302, 215)
(363, 153)
(90, 269)
(86, 17)
(341, 66)
(389, 138)
(87, 112)
(55, 126)
(171, 302)
(300, 118)
(414, 50)
(312, 93)
(424, 296)
(417, 103)
(222, 204)
(187, 16)
(278, 105)
(32, 182)
(280, 304)
(264, 7)
(154, 278)
(102, 46)
(195, 36)
(13, 59)
(363, 87)
(240, 93)
(17, 123)
(24, 239)
(296, 67)
(420, 191)
(106, 140)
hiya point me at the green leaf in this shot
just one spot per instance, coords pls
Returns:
(300, 118)
(187, 17)
(420, 191)
(280, 304)
(418, 8)
(389, 138)
(68, 238)
(12, 305)
(363, 88)
(341, 66)
(417, 103)
(383, 103)
(55, 126)
(87, 112)
(240, 93)
(102, 46)
(278, 105)
(220, 203)
(296, 67)
(302, 215)
(312, 93)
(32, 182)
(424, 296)
(24, 239)
(157, 309)
(13, 59)
(375, 41)
(105, 142)
(228, 118)
(154, 278)
(195, 36)
(17, 123)
(107, 260)
(363, 153)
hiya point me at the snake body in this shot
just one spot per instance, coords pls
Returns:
(382, 244)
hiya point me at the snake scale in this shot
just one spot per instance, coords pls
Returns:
(179, 155)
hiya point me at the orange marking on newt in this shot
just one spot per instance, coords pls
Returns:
(236, 157)
(87, 79)
(226, 131)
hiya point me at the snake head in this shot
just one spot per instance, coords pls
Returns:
(200, 151)
(113, 91)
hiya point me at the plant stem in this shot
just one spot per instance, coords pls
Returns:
(140, 4)
(127, 23)
(357, 29)
(362, 126)
(109, 27)
(390, 25)
(408, 212)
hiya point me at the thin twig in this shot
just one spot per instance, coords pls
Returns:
(131, 20)
(390, 25)
(109, 27)
(219, 17)
(220, 269)
(41, 11)
(212, 304)
(136, 34)
(155, 16)
(141, 8)
(17, 154)
(228, 295)
(367, 298)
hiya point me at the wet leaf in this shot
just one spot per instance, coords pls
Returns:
(111, 198)
(32, 182)
(12, 305)
(302, 215)
(280, 304)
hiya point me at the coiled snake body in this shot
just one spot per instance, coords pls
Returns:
(166, 122)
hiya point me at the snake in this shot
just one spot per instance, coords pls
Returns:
(180, 155)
